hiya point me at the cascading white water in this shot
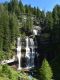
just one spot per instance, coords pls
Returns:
(19, 53)
(32, 52)
(27, 52)
(35, 32)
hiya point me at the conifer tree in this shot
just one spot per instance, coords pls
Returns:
(21, 7)
(29, 23)
(14, 27)
(45, 71)
(6, 37)
(13, 6)
(1, 34)
(4, 29)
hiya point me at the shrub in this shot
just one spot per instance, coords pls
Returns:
(6, 71)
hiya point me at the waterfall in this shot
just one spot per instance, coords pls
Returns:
(19, 53)
(35, 32)
(27, 52)
(32, 52)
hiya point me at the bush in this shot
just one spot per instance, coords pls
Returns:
(2, 55)
(6, 71)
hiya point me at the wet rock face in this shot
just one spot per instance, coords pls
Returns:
(23, 62)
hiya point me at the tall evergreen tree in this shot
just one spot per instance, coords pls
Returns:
(26, 9)
(42, 19)
(49, 20)
(13, 6)
(14, 27)
(6, 42)
(34, 11)
(45, 71)
(21, 7)
(38, 13)
(4, 28)
(56, 19)
(29, 23)
(1, 27)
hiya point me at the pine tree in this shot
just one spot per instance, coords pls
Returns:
(45, 71)
(42, 19)
(29, 23)
(1, 26)
(14, 27)
(26, 9)
(49, 20)
(21, 6)
(34, 11)
(6, 37)
(1, 35)
(13, 7)
(56, 24)
(38, 13)
(4, 29)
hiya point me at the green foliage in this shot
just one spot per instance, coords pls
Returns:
(1, 26)
(4, 30)
(6, 55)
(6, 71)
(38, 13)
(49, 20)
(45, 71)
(21, 7)
(56, 24)
(29, 23)
(6, 37)
(14, 27)
(42, 19)
(14, 4)
(9, 73)
(4, 78)
(2, 56)
(27, 26)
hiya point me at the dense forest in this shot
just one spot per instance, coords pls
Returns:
(12, 25)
